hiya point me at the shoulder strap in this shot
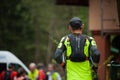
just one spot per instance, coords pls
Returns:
(64, 39)
(89, 39)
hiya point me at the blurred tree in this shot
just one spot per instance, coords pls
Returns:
(32, 28)
(14, 31)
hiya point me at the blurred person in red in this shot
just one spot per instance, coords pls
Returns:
(41, 73)
(21, 75)
(10, 74)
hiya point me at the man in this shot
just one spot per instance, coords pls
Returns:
(76, 47)
(10, 74)
(41, 74)
(33, 75)
(52, 74)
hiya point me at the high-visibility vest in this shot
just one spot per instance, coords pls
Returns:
(54, 76)
(78, 70)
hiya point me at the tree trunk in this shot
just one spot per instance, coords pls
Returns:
(37, 45)
(50, 45)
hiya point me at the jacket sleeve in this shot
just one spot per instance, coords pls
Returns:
(59, 51)
(94, 51)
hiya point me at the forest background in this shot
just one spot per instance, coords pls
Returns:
(31, 29)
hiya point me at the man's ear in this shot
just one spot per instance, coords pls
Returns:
(82, 27)
(70, 27)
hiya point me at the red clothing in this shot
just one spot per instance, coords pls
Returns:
(12, 75)
(41, 75)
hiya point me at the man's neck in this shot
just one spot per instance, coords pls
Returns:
(77, 31)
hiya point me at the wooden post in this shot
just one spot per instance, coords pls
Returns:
(103, 44)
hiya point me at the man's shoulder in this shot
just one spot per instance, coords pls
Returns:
(88, 37)
(64, 38)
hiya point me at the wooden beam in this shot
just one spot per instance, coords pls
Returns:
(73, 2)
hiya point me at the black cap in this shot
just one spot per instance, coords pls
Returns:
(75, 23)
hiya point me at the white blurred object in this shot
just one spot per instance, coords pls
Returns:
(8, 57)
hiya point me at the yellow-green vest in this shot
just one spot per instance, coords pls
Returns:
(78, 70)
(33, 75)
(54, 76)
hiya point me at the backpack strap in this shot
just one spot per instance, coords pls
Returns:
(90, 40)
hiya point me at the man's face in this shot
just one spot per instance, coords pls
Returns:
(50, 68)
(32, 67)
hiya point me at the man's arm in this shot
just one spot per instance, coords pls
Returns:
(95, 52)
(59, 51)
(95, 55)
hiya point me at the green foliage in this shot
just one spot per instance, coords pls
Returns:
(14, 31)
(32, 28)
